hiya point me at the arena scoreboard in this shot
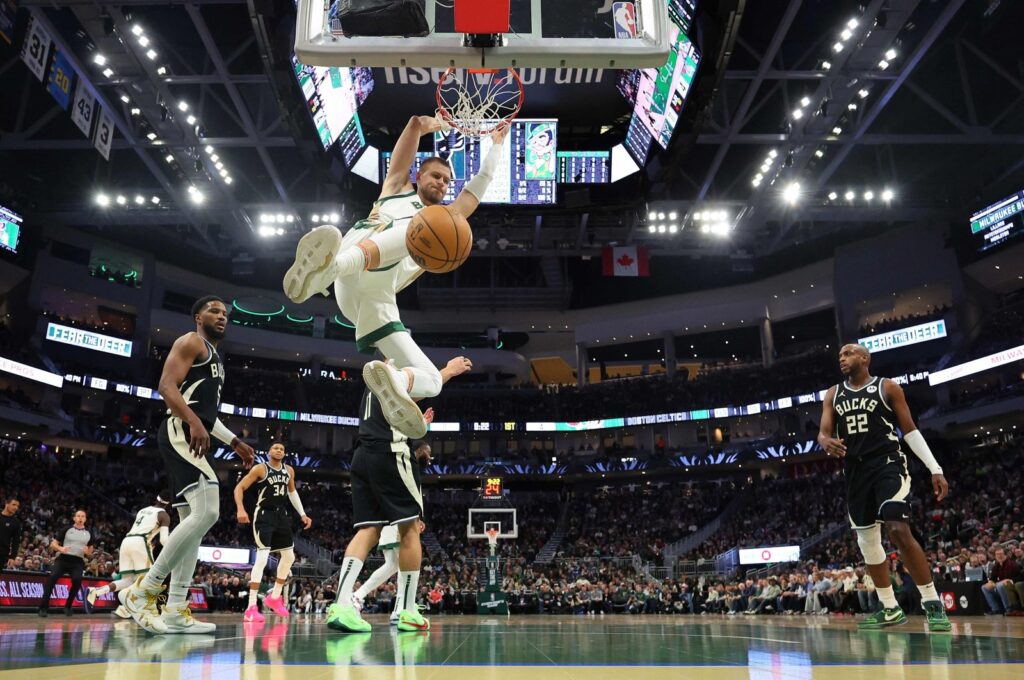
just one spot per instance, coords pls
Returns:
(998, 223)
(584, 167)
(493, 487)
(10, 229)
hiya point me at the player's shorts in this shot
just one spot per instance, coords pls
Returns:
(877, 489)
(182, 468)
(385, 485)
(389, 539)
(272, 529)
(134, 556)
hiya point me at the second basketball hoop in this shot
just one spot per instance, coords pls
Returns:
(479, 101)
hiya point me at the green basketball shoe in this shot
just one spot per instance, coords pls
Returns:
(346, 620)
(409, 619)
(883, 619)
(937, 619)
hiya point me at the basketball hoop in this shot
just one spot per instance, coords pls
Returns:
(478, 101)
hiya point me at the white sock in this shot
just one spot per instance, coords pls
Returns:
(887, 597)
(252, 597)
(408, 583)
(101, 591)
(350, 569)
(381, 574)
(350, 261)
(928, 593)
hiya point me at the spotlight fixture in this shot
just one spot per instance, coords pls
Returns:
(652, 215)
(209, 149)
(869, 195)
(191, 120)
(102, 200)
(846, 34)
(673, 228)
(228, 180)
(890, 54)
(99, 59)
(651, 229)
(819, 153)
(852, 24)
(661, 229)
(805, 101)
(798, 114)
(125, 98)
(773, 153)
(196, 196)
(883, 64)
(832, 195)
(139, 200)
(826, 65)
(121, 200)
(155, 200)
(265, 231)
(151, 54)
(137, 30)
(755, 182)
(161, 71)
(144, 41)
(837, 130)
(136, 111)
(218, 165)
(887, 194)
(673, 215)
(183, 106)
(849, 195)
(108, 72)
(214, 158)
(837, 48)
(852, 106)
(151, 136)
(791, 194)
(862, 93)
(334, 218)
(289, 219)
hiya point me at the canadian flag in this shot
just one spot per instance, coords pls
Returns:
(624, 261)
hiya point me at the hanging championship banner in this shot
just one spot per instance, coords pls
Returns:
(61, 75)
(36, 48)
(83, 111)
(104, 134)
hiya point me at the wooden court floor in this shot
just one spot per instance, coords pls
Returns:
(533, 647)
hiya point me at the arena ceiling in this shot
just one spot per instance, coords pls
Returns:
(942, 126)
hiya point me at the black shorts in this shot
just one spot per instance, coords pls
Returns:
(272, 529)
(182, 468)
(877, 489)
(385, 485)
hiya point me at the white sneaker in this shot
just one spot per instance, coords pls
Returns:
(388, 384)
(357, 602)
(91, 597)
(314, 269)
(141, 605)
(394, 617)
(121, 612)
(181, 621)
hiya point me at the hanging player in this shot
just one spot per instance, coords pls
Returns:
(384, 493)
(388, 544)
(190, 384)
(858, 424)
(370, 265)
(135, 556)
(271, 526)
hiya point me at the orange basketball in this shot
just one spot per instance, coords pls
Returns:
(439, 239)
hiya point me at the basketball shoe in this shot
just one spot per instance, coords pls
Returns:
(389, 385)
(142, 605)
(314, 269)
(252, 615)
(883, 618)
(345, 619)
(276, 605)
(181, 621)
(937, 619)
(409, 620)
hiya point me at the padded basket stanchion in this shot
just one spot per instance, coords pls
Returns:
(482, 16)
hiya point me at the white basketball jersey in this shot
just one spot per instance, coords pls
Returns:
(368, 298)
(147, 523)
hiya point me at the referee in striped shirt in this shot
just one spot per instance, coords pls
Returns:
(70, 562)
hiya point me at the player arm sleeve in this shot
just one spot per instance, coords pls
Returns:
(915, 440)
(165, 531)
(221, 432)
(481, 180)
(293, 496)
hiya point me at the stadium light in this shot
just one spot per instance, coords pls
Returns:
(869, 195)
(805, 101)
(887, 194)
(837, 48)
(652, 228)
(191, 120)
(846, 34)
(334, 217)
(673, 228)
(137, 30)
(819, 153)
(121, 200)
(228, 180)
(265, 231)
(837, 130)
(151, 54)
(144, 41)
(756, 181)
(826, 65)
(798, 114)
(169, 158)
(890, 54)
(102, 200)
(652, 215)
(673, 215)
(862, 93)
(155, 200)
(883, 64)
(661, 215)
(139, 200)
(849, 195)
(791, 194)
(773, 153)
(99, 59)
(661, 228)
(161, 71)
(832, 195)
(852, 24)
(108, 72)
(852, 106)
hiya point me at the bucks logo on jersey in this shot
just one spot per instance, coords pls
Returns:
(864, 420)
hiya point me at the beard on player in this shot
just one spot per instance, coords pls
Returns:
(215, 331)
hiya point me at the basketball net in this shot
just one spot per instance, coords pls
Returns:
(478, 101)
(492, 539)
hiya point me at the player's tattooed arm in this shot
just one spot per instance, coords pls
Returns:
(827, 430)
(254, 475)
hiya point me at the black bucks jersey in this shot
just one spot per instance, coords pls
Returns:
(272, 492)
(374, 427)
(865, 421)
(202, 386)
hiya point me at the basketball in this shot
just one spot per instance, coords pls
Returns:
(439, 239)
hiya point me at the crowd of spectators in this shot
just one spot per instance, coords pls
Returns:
(885, 324)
